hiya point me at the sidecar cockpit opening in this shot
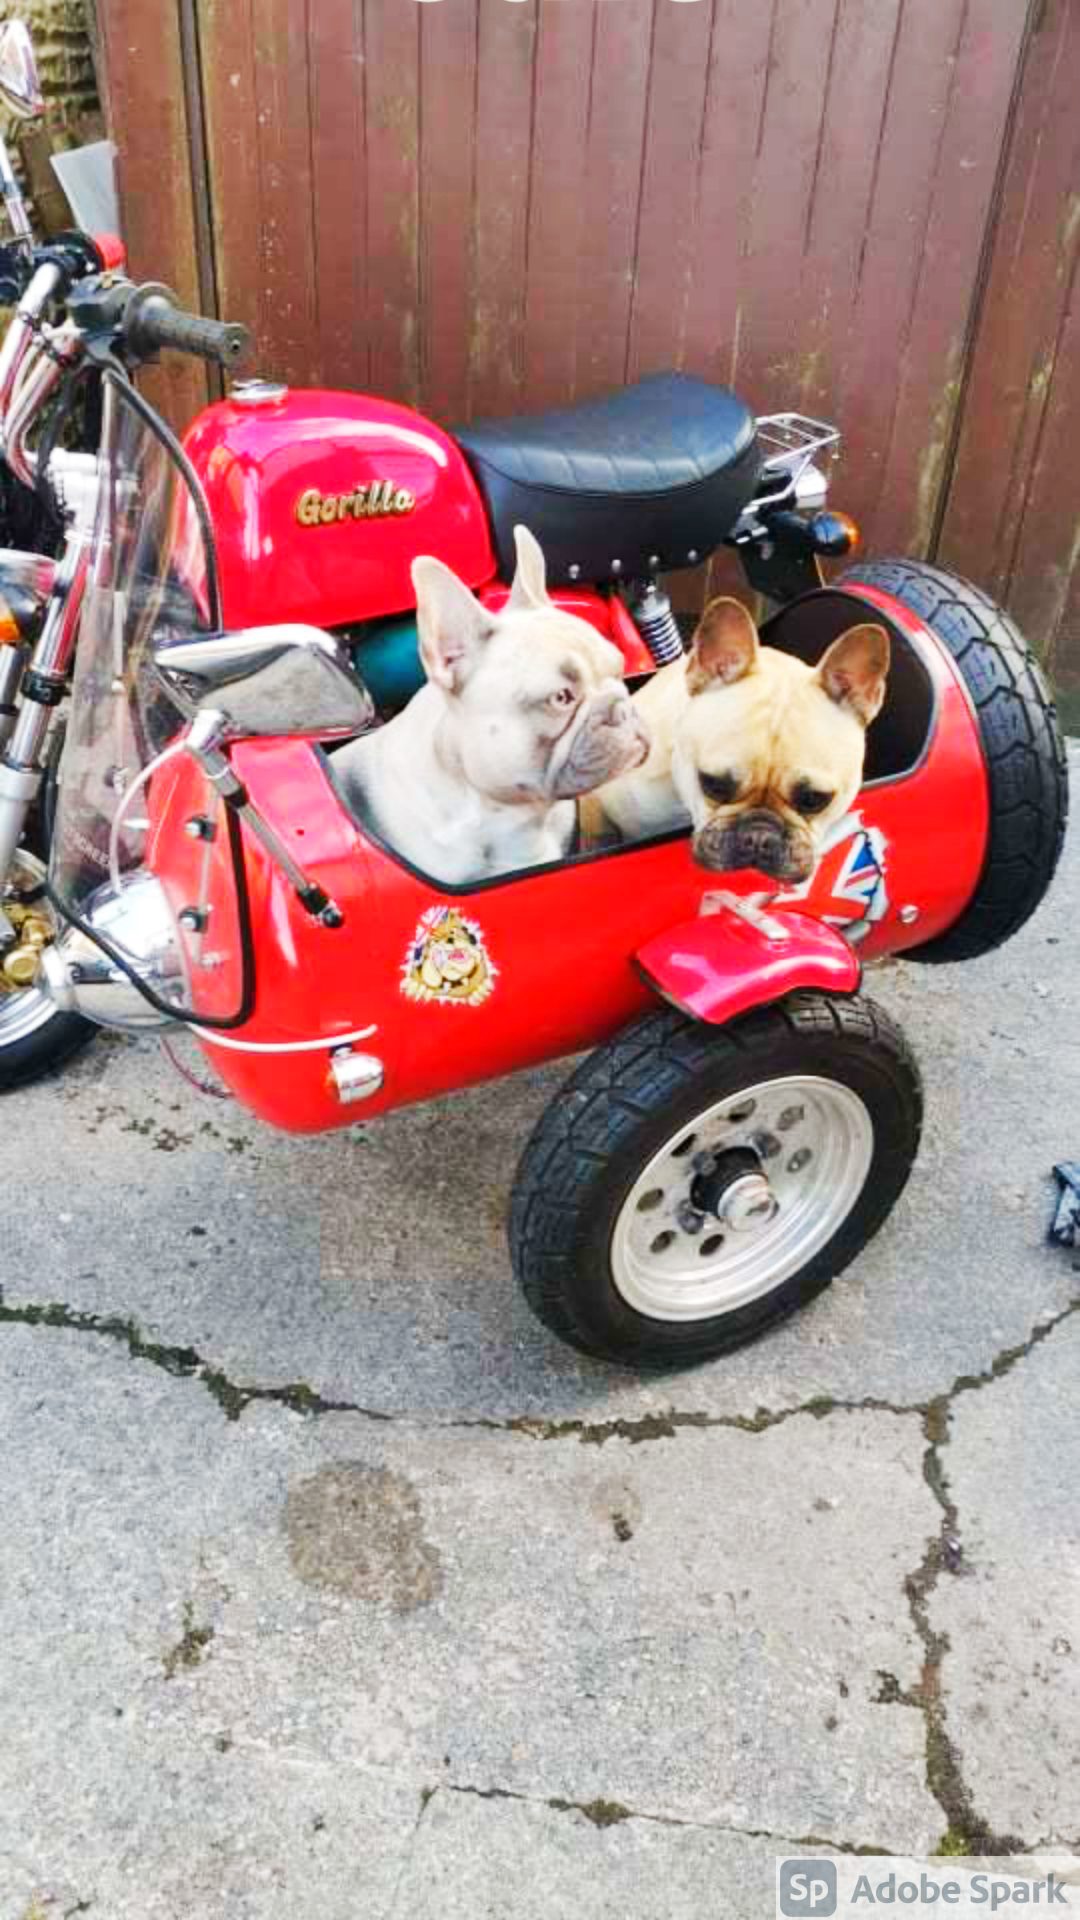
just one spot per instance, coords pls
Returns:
(897, 740)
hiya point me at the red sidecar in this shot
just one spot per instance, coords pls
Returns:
(747, 1118)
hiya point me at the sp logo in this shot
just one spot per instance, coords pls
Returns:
(806, 1887)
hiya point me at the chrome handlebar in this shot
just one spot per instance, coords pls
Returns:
(32, 365)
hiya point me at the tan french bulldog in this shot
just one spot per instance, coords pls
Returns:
(759, 752)
(523, 710)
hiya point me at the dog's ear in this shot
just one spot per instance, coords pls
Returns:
(724, 647)
(453, 626)
(854, 669)
(530, 575)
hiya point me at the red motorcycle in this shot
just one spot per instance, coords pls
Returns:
(745, 1118)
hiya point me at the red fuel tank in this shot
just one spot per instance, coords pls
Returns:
(321, 500)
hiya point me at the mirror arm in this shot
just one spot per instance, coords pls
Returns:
(13, 198)
(204, 744)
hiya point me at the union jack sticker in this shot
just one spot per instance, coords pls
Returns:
(847, 887)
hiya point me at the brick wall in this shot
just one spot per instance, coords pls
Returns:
(66, 68)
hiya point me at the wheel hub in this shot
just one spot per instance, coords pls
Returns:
(23, 1004)
(734, 1189)
(740, 1197)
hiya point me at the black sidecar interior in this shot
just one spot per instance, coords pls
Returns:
(897, 739)
(646, 480)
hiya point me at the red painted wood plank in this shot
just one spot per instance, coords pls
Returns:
(737, 78)
(227, 46)
(1013, 356)
(504, 103)
(907, 168)
(611, 188)
(558, 246)
(392, 81)
(140, 44)
(339, 205)
(448, 44)
(933, 354)
(788, 142)
(282, 92)
(1044, 591)
(667, 236)
(853, 110)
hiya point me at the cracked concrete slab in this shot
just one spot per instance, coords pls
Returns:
(518, 1861)
(1011, 1676)
(371, 1265)
(359, 1662)
(183, 1692)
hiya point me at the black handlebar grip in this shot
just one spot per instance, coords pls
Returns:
(154, 320)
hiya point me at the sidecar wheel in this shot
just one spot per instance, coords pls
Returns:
(35, 1037)
(691, 1185)
(1022, 747)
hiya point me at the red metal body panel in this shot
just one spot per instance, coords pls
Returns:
(722, 964)
(555, 948)
(255, 464)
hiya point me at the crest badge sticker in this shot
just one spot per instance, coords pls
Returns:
(847, 887)
(447, 961)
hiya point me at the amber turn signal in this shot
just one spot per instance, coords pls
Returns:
(835, 534)
(9, 626)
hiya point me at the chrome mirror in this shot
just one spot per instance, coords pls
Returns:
(20, 89)
(289, 681)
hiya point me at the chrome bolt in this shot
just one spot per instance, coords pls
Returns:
(193, 919)
(704, 1163)
(688, 1217)
(692, 556)
(199, 827)
(654, 559)
(799, 1160)
(616, 566)
(790, 1118)
(908, 915)
(574, 571)
(765, 1144)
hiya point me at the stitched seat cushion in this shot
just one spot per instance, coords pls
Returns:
(645, 477)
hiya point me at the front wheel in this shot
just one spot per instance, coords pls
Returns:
(691, 1186)
(35, 1037)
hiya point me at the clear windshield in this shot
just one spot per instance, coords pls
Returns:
(126, 784)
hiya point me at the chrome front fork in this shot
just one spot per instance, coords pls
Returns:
(40, 686)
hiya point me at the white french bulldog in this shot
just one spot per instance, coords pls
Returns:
(523, 710)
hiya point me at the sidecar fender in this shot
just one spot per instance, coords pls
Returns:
(738, 955)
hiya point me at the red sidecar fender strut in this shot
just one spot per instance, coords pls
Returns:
(734, 957)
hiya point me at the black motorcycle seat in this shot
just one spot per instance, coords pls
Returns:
(645, 480)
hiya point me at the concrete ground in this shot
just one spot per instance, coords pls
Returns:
(333, 1586)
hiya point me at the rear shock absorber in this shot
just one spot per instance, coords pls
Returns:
(651, 610)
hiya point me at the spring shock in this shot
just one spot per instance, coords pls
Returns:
(657, 624)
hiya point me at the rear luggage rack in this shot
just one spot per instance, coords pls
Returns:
(790, 442)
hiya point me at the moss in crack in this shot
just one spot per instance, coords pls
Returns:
(184, 1363)
(191, 1646)
(954, 1841)
(966, 1832)
(602, 1813)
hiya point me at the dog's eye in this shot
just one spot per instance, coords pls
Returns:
(720, 787)
(563, 697)
(807, 799)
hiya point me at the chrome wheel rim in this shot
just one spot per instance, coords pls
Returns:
(781, 1164)
(23, 1010)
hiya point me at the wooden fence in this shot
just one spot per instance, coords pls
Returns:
(867, 209)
